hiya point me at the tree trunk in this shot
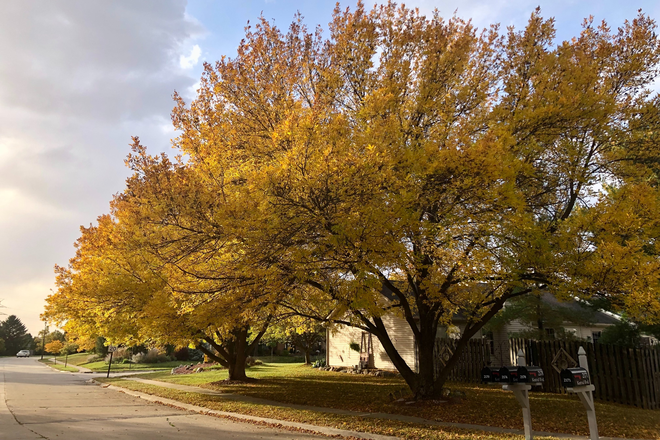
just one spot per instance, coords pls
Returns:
(308, 356)
(423, 383)
(233, 353)
(237, 367)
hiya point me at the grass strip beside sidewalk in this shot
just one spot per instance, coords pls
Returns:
(59, 366)
(354, 423)
(479, 405)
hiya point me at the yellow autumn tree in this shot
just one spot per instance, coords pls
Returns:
(54, 347)
(404, 166)
(160, 270)
(454, 169)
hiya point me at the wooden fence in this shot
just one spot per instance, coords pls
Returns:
(475, 356)
(622, 375)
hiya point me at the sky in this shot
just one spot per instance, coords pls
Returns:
(78, 79)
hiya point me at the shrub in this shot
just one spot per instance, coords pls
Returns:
(623, 333)
(181, 354)
(250, 361)
(100, 347)
(318, 363)
(195, 355)
(120, 355)
(153, 356)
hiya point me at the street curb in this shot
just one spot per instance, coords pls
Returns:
(314, 429)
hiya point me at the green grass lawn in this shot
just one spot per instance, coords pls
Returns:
(483, 405)
(103, 366)
(408, 431)
(58, 366)
(81, 359)
(76, 359)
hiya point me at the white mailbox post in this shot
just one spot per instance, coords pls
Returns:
(585, 392)
(521, 391)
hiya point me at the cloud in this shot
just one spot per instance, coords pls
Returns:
(77, 80)
(191, 60)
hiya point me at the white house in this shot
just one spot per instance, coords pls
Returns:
(339, 340)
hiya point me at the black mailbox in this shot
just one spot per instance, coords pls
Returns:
(574, 377)
(489, 375)
(530, 375)
(509, 374)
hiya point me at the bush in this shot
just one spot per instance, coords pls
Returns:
(318, 363)
(153, 356)
(623, 333)
(100, 347)
(195, 355)
(181, 354)
(120, 355)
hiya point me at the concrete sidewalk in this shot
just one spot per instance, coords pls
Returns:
(397, 417)
(39, 403)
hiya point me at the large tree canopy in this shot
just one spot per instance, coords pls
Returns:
(475, 167)
(471, 167)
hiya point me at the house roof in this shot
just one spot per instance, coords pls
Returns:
(598, 317)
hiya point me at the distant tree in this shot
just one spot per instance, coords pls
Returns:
(624, 333)
(651, 330)
(69, 348)
(302, 333)
(15, 335)
(54, 347)
(2, 345)
(305, 336)
(100, 347)
(50, 337)
(629, 330)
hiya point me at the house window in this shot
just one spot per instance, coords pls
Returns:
(595, 336)
(550, 333)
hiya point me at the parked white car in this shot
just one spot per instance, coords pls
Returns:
(23, 354)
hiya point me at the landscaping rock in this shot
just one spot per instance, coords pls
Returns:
(192, 368)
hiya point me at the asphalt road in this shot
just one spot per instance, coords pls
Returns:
(37, 402)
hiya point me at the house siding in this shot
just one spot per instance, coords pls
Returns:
(340, 354)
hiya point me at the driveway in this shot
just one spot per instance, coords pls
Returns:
(37, 402)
